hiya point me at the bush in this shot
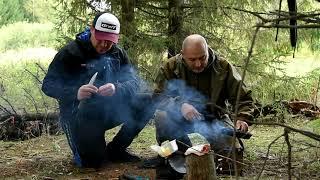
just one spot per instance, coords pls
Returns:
(21, 87)
(22, 35)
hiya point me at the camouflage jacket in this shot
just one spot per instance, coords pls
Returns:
(219, 82)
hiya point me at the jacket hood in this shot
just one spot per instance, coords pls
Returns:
(85, 35)
(83, 39)
(211, 59)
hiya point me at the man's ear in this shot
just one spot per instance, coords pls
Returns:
(92, 29)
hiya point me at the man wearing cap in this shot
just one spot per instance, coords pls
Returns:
(87, 110)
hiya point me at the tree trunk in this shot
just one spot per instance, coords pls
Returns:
(201, 167)
(175, 32)
(128, 28)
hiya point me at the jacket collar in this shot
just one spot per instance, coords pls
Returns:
(180, 62)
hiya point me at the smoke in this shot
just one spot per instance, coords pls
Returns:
(134, 105)
(124, 77)
(178, 92)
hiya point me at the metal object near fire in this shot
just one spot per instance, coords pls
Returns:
(91, 82)
(178, 163)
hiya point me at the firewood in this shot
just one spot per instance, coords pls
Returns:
(26, 126)
(201, 167)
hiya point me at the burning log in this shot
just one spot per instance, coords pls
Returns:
(201, 167)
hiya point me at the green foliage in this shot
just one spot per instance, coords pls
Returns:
(222, 25)
(220, 22)
(41, 11)
(71, 18)
(270, 88)
(21, 84)
(21, 35)
(12, 11)
(26, 10)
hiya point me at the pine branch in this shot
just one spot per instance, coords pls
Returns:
(150, 13)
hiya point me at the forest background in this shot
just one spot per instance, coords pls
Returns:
(151, 31)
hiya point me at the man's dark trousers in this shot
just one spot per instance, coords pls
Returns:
(94, 117)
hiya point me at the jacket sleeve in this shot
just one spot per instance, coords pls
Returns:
(55, 83)
(164, 75)
(160, 81)
(167, 93)
(128, 82)
(245, 108)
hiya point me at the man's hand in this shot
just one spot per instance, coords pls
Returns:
(189, 112)
(86, 91)
(242, 126)
(107, 90)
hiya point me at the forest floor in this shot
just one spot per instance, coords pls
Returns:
(49, 157)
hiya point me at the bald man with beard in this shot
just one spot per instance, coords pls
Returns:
(194, 85)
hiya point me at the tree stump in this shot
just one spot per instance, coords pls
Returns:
(201, 167)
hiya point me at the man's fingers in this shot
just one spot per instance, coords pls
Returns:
(87, 95)
(242, 126)
(86, 91)
(107, 89)
(189, 116)
(90, 89)
(193, 115)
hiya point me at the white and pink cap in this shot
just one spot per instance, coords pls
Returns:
(107, 27)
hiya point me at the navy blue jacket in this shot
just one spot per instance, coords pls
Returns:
(74, 65)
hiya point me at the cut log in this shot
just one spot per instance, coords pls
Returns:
(201, 167)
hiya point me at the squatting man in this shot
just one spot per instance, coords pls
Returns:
(194, 86)
(87, 110)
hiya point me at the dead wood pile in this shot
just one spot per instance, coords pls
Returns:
(22, 127)
(293, 107)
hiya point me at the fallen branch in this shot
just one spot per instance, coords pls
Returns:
(5, 121)
(267, 155)
(11, 106)
(15, 127)
(286, 137)
(305, 133)
(5, 109)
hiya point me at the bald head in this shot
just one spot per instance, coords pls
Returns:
(193, 41)
(195, 52)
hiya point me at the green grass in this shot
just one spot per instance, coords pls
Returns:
(22, 34)
(305, 151)
(50, 156)
(315, 125)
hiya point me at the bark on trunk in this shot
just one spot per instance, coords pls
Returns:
(201, 167)
(175, 32)
(128, 28)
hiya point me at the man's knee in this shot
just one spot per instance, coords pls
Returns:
(169, 128)
(161, 124)
(160, 119)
